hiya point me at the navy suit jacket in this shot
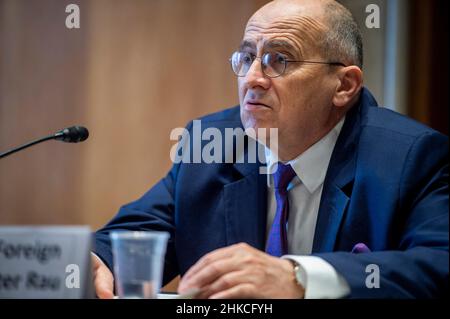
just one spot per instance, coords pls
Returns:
(386, 187)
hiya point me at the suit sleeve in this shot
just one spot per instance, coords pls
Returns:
(419, 266)
(153, 211)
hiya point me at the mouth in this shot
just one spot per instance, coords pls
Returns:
(253, 105)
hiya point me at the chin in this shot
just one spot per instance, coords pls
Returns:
(252, 121)
(255, 126)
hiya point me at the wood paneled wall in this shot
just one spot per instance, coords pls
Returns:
(135, 70)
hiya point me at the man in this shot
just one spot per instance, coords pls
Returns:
(359, 190)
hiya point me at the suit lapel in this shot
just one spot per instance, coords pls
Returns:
(333, 205)
(338, 182)
(246, 206)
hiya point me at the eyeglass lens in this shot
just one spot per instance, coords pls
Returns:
(273, 64)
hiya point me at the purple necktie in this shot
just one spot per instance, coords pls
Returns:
(277, 239)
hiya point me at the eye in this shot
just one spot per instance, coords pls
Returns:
(279, 58)
(247, 58)
(274, 59)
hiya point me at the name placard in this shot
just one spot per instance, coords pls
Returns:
(45, 262)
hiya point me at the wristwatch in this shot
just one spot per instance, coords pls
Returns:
(299, 273)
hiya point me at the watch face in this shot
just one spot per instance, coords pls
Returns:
(300, 275)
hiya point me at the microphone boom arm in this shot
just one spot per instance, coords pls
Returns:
(14, 150)
(74, 134)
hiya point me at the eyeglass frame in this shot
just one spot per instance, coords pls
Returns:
(286, 61)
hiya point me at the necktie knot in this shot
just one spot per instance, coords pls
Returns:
(283, 176)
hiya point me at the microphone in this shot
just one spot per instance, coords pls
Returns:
(73, 134)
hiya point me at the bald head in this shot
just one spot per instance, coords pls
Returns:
(286, 8)
(325, 24)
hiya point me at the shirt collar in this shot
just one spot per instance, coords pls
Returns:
(311, 166)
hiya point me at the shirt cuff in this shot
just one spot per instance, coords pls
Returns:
(319, 279)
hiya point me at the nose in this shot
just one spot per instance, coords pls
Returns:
(255, 76)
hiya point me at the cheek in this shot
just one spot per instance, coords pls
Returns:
(241, 89)
(299, 92)
(291, 98)
(296, 104)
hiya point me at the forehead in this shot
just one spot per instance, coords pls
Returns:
(296, 32)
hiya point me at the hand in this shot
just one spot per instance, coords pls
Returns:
(103, 279)
(241, 271)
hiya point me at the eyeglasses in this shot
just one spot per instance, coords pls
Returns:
(272, 64)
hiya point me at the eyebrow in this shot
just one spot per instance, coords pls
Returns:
(246, 45)
(280, 44)
(274, 44)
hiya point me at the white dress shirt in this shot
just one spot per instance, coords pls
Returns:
(320, 279)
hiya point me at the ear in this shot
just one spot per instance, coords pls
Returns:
(350, 81)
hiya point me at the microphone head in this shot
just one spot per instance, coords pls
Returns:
(74, 134)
